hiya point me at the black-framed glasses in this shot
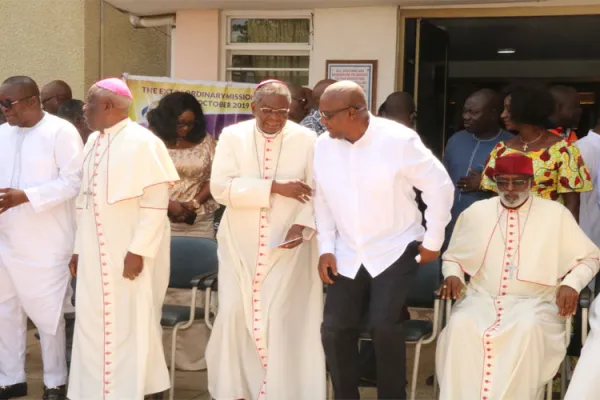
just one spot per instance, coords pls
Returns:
(330, 114)
(280, 112)
(299, 100)
(8, 104)
(47, 99)
(186, 124)
(517, 184)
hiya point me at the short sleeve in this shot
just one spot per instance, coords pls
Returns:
(573, 175)
(487, 177)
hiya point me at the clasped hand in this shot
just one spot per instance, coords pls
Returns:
(10, 198)
(296, 190)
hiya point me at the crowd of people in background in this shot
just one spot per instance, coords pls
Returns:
(315, 189)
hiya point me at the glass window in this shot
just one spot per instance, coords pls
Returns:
(268, 48)
(297, 77)
(256, 68)
(268, 61)
(245, 30)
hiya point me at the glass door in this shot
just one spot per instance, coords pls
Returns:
(426, 78)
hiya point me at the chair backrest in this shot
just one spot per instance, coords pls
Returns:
(191, 257)
(424, 284)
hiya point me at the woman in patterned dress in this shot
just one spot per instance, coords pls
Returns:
(179, 121)
(560, 173)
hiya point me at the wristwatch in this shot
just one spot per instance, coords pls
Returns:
(195, 203)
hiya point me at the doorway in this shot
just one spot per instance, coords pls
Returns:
(446, 59)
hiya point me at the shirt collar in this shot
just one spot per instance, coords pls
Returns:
(368, 135)
(117, 127)
(593, 135)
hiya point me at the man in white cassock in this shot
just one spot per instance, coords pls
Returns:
(121, 254)
(40, 164)
(528, 260)
(265, 343)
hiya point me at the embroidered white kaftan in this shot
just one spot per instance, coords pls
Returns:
(117, 349)
(266, 339)
(36, 241)
(505, 339)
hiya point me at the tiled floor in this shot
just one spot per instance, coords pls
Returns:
(192, 385)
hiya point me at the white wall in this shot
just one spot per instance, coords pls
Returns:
(359, 33)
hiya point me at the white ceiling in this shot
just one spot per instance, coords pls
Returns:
(157, 7)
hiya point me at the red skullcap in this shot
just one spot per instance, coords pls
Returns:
(514, 164)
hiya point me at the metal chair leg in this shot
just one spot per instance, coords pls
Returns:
(435, 384)
(329, 392)
(415, 373)
(564, 377)
(173, 352)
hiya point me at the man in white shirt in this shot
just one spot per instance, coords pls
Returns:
(370, 233)
(40, 175)
(589, 210)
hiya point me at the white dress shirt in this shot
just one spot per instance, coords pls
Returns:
(589, 209)
(365, 204)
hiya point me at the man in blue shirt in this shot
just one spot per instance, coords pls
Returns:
(467, 150)
(313, 119)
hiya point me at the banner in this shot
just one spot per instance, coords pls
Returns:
(223, 103)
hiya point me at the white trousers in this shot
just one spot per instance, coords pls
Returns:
(13, 347)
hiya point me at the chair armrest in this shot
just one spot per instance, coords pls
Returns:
(585, 298)
(205, 281)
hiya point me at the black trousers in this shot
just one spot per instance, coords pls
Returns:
(377, 305)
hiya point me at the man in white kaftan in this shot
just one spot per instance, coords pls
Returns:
(40, 164)
(265, 343)
(121, 254)
(528, 260)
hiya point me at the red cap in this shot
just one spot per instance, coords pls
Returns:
(514, 164)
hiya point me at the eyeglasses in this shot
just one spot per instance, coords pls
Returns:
(8, 104)
(186, 124)
(517, 184)
(299, 100)
(280, 112)
(330, 114)
(47, 99)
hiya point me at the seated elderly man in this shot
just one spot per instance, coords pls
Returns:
(527, 260)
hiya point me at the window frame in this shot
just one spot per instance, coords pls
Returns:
(228, 49)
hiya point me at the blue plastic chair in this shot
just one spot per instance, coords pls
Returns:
(192, 261)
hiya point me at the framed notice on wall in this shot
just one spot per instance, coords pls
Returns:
(362, 72)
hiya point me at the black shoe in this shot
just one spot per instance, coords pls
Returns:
(13, 391)
(155, 396)
(55, 393)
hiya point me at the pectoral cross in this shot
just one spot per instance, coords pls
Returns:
(525, 147)
(88, 193)
(511, 270)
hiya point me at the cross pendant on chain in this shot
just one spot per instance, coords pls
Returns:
(525, 147)
(511, 270)
(88, 193)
